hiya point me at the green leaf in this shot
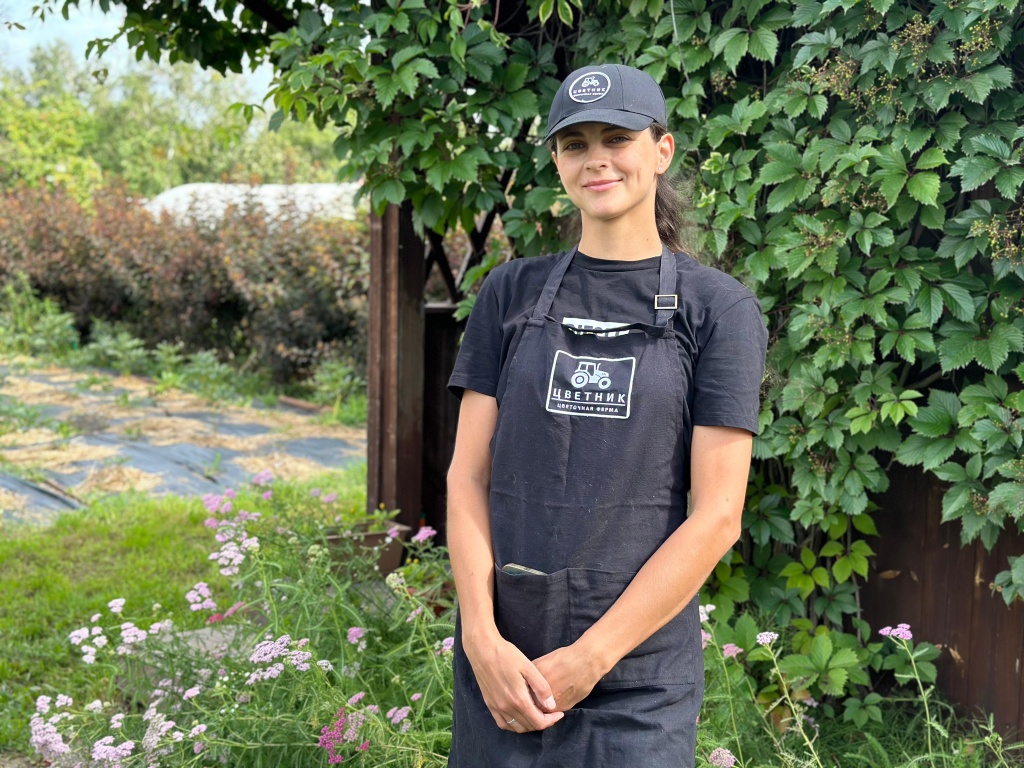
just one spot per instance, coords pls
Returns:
(1008, 182)
(764, 45)
(924, 187)
(975, 171)
(389, 191)
(977, 87)
(735, 50)
(930, 158)
(891, 186)
(522, 105)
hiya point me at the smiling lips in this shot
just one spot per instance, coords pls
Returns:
(600, 186)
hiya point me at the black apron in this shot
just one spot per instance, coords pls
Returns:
(589, 476)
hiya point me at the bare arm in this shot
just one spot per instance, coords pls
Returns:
(510, 683)
(720, 460)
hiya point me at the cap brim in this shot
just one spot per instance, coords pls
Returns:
(631, 121)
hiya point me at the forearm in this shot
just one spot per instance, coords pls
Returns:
(720, 461)
(662, 588)
(472, 557)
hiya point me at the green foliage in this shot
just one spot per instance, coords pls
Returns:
(149, 127)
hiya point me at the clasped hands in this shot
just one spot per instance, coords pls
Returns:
(524, 695)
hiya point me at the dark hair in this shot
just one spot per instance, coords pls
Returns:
(668, 202)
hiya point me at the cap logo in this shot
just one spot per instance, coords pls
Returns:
(589, 87)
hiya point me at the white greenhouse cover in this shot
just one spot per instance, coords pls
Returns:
(210, 201)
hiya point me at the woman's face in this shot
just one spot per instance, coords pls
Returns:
(609, 172)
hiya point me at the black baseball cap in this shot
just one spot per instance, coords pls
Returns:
(607, 93)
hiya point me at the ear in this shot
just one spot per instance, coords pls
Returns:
(666, 147)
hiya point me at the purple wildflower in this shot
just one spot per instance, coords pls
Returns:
(263, 477)
(330, 498)
(729, 650)
(314, 492)
(267, 495)
(722, 758)
(191, 693)
(356, 698)
(116, 605)
(899, 632)
(355, 634)
(43, 704)
(705, 638)
(426, 533)
(397, 715)
(394, 532)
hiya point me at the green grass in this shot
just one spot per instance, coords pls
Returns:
(147, 550)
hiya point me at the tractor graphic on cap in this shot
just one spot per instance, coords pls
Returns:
(590, 373)
(590, 82)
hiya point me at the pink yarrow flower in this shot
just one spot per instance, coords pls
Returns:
(424, 534)
(729, 650)
(264, 477)
(355, 634)
(767, 638)
(116, 605)
(899, 632)
(722, 758)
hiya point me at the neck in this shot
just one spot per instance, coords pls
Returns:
(618, 242)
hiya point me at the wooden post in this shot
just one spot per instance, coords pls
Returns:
(395, 365)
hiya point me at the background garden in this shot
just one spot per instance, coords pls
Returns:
(857, 164)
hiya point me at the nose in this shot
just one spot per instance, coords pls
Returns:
(597, 156)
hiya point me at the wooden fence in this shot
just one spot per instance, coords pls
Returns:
(922, 576)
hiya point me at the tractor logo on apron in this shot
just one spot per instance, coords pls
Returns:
(591, 386)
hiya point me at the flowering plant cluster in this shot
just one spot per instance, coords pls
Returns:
(308, 666)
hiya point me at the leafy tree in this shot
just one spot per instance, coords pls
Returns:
(152, 127)
(858, 164)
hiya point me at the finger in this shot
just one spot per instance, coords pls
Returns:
(540, 688)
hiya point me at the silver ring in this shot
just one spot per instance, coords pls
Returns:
(511, 722)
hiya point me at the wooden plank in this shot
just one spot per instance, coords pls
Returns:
(957, 591)
(440, 410)
(1008, 625)
(892, 593)
(395, 365)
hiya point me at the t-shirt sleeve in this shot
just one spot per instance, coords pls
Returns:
(478, 363)
(730, 368)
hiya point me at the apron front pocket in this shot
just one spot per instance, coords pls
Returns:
(532, 611)
(672, 655)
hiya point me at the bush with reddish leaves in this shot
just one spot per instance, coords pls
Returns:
(285, 290)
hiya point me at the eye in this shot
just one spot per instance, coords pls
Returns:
(572, 145)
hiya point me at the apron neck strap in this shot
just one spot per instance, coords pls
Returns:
(665, 303)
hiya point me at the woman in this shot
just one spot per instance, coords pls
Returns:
(598, 387)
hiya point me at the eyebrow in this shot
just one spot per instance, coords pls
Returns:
(575, 134)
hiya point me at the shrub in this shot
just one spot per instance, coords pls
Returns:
(282, 290)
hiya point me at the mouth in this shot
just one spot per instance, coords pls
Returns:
(601, 185)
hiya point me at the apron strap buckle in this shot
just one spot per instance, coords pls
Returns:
(666, 301)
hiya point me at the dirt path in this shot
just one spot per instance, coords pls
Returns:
(78, 434)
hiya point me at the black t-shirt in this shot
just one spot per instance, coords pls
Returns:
(718, 326)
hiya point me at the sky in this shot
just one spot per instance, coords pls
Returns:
(84, 24)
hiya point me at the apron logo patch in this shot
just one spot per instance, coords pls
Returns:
(591, 386)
